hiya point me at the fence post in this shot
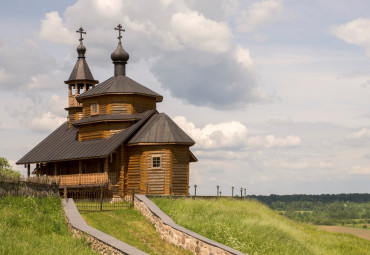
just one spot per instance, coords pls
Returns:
(133, 198)
(232, 191)
(65, 194)
(101, 198)
(195, 190)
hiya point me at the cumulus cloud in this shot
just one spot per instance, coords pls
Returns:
(195, 56)
(232, 134)
(355, 32)
(221, 135)
(259, 14)
(24, 74)
(270, 141)
(46, 122)
(359, 170)
(362, 134)
(53, 29)
(39, 113)
(194, 30)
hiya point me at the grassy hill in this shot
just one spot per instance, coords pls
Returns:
(36, 226)
(253, 228)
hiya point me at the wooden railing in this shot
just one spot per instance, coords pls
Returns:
(86, 179)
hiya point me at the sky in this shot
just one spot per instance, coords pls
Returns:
(274, 92)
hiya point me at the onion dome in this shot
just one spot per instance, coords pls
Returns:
(81, 50)
(120, 55)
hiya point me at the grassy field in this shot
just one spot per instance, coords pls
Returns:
(36, 226)
(130, 226)
(253, 228)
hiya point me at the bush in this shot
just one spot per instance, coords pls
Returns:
(364, 226)
(6, 171)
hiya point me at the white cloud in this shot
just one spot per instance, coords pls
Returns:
(196, 31)
(259, 14)
(53, 29)
(363, 133)
(212, 136)
(271, 141)
(243, 57)
(46, 122)
(355, 32)
(359, 170)
(232, 134)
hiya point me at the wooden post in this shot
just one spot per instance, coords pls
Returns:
(37, 169)
(28, 170)
(55, 169)
(133, 198)
(65, 194)
(101, 198)
(106, 165)
(79, 171)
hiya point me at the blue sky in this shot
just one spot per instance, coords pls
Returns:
(275, 93)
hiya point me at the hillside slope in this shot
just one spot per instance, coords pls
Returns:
(253, 228)
(36, 226)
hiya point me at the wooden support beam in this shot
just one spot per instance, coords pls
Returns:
(106, 165)
(28, 170)
(55, 169)
(80, 166)
(37, 169)
(111, 157)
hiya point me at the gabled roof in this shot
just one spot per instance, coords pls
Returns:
(161, 129)
(62, 144)
(109, 117)
(81, 71)
(120, 85)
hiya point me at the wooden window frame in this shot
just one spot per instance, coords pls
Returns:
(92, 109)
(152, 161)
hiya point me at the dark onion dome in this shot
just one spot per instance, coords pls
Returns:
(81, 50)
(120, 55)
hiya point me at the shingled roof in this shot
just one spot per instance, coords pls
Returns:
(81, 71)
(62, 144)
(109, 117)
(120, 85)
(161, 129)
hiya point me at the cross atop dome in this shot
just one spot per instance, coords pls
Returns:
(81, 31)
(119, 28)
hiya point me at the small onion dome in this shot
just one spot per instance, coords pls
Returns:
(119, 55)
(81, 50)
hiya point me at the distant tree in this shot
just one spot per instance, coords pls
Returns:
(6, 170)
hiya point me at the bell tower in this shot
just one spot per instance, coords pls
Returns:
(80, 81)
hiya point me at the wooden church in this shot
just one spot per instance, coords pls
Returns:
(114, 135)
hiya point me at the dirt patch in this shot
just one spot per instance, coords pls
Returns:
(363, 233)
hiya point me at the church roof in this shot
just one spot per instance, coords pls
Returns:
(161, 129)
(62, 144)
(120, 85)
(81, 71)
(108, 117)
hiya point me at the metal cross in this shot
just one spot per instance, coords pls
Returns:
(119, 28)
(81, 31)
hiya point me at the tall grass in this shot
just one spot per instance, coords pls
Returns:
(130, 226)
(253, 228)
(36, 226)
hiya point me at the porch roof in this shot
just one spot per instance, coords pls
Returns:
(62, 145)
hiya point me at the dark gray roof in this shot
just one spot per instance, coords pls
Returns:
(62, 144)
(109, 117)
(81, 71)
(161, 129)
(120, 85)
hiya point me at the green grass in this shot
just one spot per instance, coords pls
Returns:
(36, 226)
(253, 228)
(130, 226)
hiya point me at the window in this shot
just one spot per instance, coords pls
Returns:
(156, 161)
(94, 108)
